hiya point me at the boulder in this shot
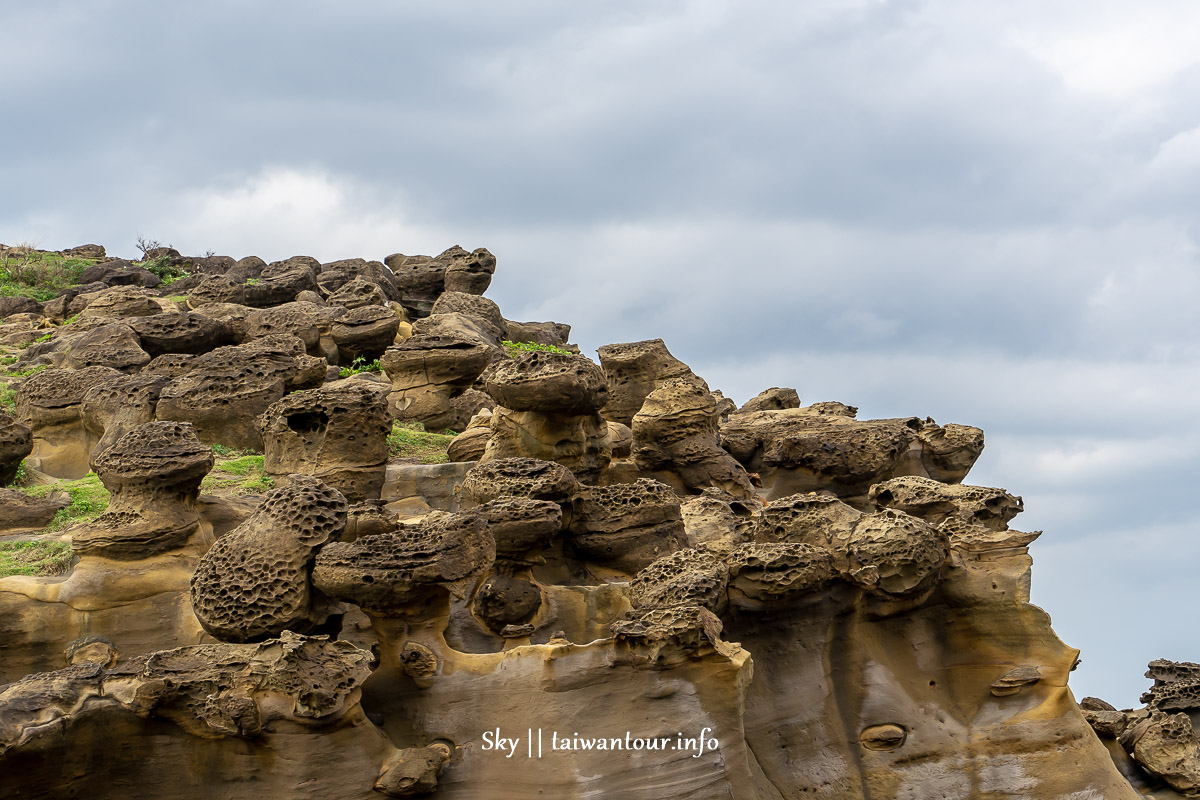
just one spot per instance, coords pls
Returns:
(255, 582)
(188, 333)
(364, 332)
(337, 433)
(627, 526)
(16, 442)
(50, 402)
(636, 369)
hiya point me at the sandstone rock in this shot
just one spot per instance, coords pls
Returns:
(357, 293)
(521, 477)
(521, 525)
(153, 475)
(504, 602)
(773, 399)
(85, 251)
(115, 346)
(121, 302)
(225, 391)
(1166, 746)
(10, 306)
(335, 275)
(552, 383)
(672, 634)
(413, 772)
(814, 519)
(717, 521)
(806, 449)
(429, 371)
(255, 581)
(188, 333)
(629, 525)
(407, 568)
(281, 281)
(49, 402)
(685, 577)
(16, 442)
(365, 332)
(936, 502)
(119, 272)
(636, 369)
(761, 573)
(579, 442)
(675, 432)
(302, 320)
(114, 407)
(469, 273)
(895, 555)
(20, 512)
(471, 443)
(337, 433)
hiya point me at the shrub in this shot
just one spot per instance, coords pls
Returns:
(358, 365)
(512, 348)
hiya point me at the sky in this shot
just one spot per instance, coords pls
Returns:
(982, 212)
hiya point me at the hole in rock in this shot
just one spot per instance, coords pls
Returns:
(308, 421)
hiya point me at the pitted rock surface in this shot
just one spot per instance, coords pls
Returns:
(547, 382)
(774, 572)
(255, 581)
(936, 502)
(685, 577)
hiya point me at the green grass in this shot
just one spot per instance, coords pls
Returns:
(21, 475)
(24, 373)
(35, 558)
(242, 475)
(360, 364)
(8, 399)
(411, 440)
(89, 499)
(252, 282)
(39, 275)
(512, 348)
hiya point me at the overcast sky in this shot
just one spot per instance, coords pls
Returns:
(984, 212)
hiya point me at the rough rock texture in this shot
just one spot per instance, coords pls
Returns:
(773, 399)
(189, 333)
(675, 437)
(255, 581)
(120, 302)
(20, 512)
(636, 369)
(115, 346)
(430, 372)
(521, 525)
(153, 475)
(49, 403)
(16, 442)
(810, 449)
(225, 391)
(365, 332)
(113, 407)
(394, 570)
(628, 525)
(224, 712)
(521, 477)
(337, 433)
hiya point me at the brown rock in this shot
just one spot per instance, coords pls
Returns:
(636, 369)
(255, 581)
(337, 433)
(16, 442)
(629, 525)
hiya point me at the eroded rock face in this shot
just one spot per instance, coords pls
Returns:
(230, 706)
(429, 372)
(773, 399)
(49, 402)
(636, 369)
(16, 442)
(365, 332)
(153, 475)
(337, 433)
(225, 391)
(115, 346)
(114, 407)
(394, 571)
(826, 449)
(188, 333)
(675, 436)
(255, 581)
(628, 525)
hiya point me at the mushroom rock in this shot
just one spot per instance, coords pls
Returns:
(16, 442)
(337, 433)
(823, 448)
(225, 391)
(634, 371)
(548, 404)
(302, 320)
(153, 475)
(364, 332)
(470, 444)
(675, 438)
(522, 477)
(936, 502)
(50, 403)
(429, 372)
(255, 582)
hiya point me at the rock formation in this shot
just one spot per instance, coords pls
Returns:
(681, 597)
